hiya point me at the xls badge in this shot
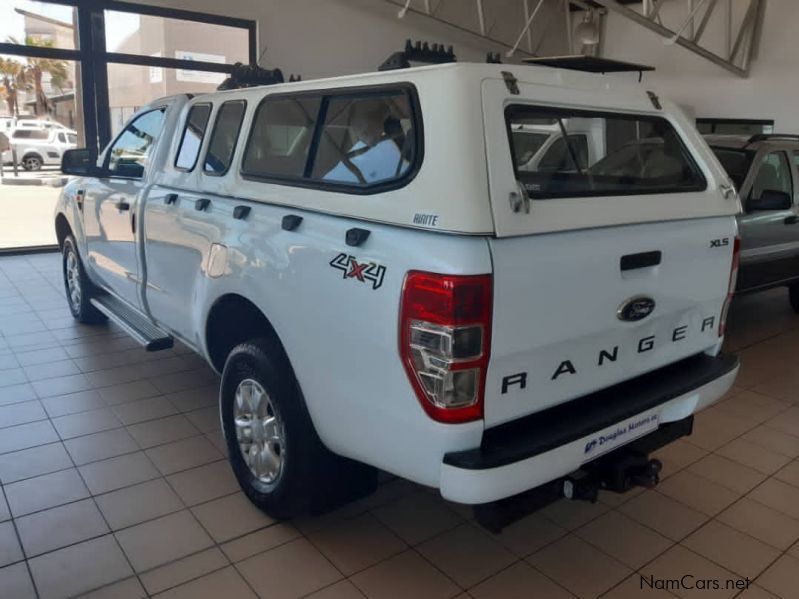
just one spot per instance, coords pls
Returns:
(360, 271)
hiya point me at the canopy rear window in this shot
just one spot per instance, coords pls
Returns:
(579, 153)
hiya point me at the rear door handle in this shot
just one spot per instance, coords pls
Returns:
(791, 220)
(122, 205)
(640, 260)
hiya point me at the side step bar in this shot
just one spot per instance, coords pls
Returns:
(133, 323)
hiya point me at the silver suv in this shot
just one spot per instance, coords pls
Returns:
(764, 170)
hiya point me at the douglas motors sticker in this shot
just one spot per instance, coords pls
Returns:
(614, 437)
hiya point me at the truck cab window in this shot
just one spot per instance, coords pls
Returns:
(127, 156)
(192, 138)
(365, 140)
(224, 137)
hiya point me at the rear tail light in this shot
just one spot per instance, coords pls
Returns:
(736, 256)
(445, 341)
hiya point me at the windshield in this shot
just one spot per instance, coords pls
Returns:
(604, 154)
(735, 162)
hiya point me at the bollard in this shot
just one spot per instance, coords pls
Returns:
(14, 161)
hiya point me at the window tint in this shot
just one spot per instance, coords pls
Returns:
(281, 137)
(31, 134)
(365, 140)
(192, 136)
(62, 138)
(774, 174)
(224, 136)
(127, 156)
(602, 154)
(72, 138)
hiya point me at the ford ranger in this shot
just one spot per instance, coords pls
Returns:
(381, 286)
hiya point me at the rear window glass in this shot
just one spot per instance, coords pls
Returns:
(224, 136)
(363, 140)
(193, 134)
(587, 153)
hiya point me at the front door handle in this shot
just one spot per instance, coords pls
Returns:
(121, 205)
(791, 220)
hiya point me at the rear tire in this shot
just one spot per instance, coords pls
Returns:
(277, 457)
(793, 296)
(32, 162)
(78, 287)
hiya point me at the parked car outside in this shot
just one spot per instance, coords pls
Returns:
(36, 148)
(763, 168)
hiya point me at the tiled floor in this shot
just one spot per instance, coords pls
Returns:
(114, 483)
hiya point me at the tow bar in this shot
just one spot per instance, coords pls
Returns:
(619, 472)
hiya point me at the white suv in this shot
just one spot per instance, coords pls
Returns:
(381, 286)
(36, 148)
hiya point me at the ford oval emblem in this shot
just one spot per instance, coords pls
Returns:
(636, 308)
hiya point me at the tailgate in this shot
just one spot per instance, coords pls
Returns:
(564, 309)
(611, 259)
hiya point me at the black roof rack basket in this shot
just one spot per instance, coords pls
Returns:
(251, 75)
(420, 52)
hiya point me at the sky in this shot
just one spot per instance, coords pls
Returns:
(118, 25)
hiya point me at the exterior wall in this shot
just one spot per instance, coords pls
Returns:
(768, 93)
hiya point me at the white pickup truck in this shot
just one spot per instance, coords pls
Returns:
(381, 287)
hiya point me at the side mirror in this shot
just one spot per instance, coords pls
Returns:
(770, 199)
(79, 163)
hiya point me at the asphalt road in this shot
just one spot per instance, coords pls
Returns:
(26, 215)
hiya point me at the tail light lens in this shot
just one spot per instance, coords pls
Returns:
(736, 252)
(445, 340)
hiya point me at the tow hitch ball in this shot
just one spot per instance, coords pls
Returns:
(619, 475)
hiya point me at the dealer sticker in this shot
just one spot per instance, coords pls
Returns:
(618, 435)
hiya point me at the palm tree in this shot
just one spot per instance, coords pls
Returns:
(10, 73)
(34, 70)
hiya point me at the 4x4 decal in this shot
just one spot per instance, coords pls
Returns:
(361, 271)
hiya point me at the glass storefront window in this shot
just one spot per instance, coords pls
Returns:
(131, 87)
(41, 97)
(173, 38)
(40, 121)
(38, 24)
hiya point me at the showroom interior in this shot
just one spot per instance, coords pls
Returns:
(123, 469)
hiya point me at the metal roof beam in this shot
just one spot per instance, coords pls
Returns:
(742, 51)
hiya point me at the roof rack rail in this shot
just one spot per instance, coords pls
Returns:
(767, 136)
(251, 75)
(420, 52)
(588, 64)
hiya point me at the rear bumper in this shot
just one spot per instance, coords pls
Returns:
(532, 451)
